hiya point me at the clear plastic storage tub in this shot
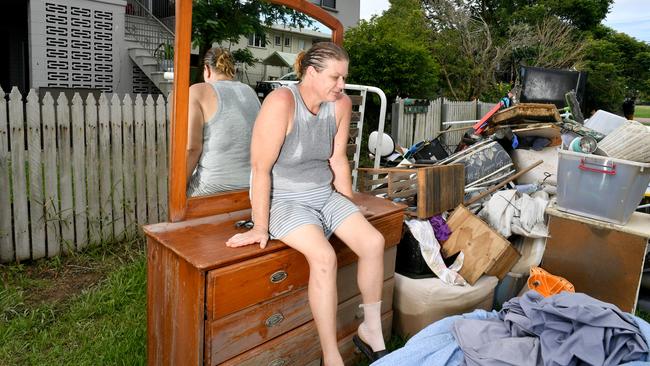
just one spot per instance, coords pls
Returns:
(600, 187)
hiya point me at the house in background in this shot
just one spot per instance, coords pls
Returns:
(121, 45)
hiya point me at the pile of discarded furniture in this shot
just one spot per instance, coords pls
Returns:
(535, 198)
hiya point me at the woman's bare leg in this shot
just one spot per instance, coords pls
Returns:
(310, 241)
(368, 244)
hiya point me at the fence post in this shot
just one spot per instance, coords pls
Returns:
(105, 187)
(6, 237)
(150, 150)
(66, 212)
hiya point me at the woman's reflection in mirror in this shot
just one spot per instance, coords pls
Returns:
(221, 116)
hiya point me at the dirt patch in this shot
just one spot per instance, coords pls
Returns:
(62, 284)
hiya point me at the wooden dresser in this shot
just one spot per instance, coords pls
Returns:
(208, 304)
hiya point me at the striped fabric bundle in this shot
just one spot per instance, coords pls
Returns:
(630, 141)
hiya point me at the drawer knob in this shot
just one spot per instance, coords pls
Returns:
(274, 320)
(279, 276)
(279, 362)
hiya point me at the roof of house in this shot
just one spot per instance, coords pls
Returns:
(303, 31)
(280, 59)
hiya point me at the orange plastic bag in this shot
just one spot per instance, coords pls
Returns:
(547, 284)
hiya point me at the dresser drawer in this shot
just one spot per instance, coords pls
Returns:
(244, 330)
(300, 347)
(236, 287)
(229, 336)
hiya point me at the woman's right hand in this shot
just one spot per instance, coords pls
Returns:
(252, 236)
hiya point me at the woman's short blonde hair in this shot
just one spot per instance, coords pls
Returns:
(220, 60)
(317, 55)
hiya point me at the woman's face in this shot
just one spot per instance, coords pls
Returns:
(330, 82)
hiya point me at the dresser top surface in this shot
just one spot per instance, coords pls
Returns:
(202, 241)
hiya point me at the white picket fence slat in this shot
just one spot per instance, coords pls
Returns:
(79, 172)
(51, 191)
(36, 197)
(92, 172)
(66, 208)
(129, 164)
(117, 173)
(150, 151)
(140, 183)
(161, 159)
(6, 233)
(19, 183)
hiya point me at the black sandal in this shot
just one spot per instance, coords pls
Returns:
(367, 350)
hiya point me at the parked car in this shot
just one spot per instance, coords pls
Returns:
(263, 88)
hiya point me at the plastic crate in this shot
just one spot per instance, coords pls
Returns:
(600, 187)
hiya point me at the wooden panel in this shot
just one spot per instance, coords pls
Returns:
(255, 281)
(235, 333)
(528, 111)
(603, 263)
(140, 180)
(202, 241)
(298, 347)
(161, 157)
(356, 117)
(175, 296)
(440, 188)
(356, 99)
(217, 204)
(483, 247)
(227, 337)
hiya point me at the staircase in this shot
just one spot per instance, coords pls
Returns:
(145, 37)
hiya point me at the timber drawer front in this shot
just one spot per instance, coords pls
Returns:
(208, 304)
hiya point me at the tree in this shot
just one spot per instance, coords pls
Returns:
(216, 21)
(391, 52)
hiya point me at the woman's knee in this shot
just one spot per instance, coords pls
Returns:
(374, 243)
(323, 259)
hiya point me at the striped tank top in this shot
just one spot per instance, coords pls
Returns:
(303, 162)
(225, 160)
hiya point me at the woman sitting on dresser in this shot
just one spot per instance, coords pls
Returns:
(221, 116)
(301, 188)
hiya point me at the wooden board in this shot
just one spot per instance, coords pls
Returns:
(440, 188)
(599, 260)
(485, 250)
(527, 111)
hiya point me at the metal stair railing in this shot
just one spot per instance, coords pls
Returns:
(149, 31)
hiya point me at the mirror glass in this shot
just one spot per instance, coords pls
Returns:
(229, 79)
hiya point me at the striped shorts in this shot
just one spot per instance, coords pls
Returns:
(321, 206)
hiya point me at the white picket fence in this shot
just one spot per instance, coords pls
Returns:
(75, 173)
(410, 128)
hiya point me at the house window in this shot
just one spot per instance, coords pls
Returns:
(278, 41)
(257, 40)
(301, 44)
(328, 4)
(287, 42)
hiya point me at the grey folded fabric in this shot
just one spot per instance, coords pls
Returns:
(564, 329)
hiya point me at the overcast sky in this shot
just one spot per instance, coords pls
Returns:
(627, 16)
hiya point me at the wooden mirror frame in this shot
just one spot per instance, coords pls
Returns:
(180, 206)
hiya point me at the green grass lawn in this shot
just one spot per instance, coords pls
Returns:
(85, 309)
(642, 111)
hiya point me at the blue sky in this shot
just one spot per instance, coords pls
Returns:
(627, 16)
